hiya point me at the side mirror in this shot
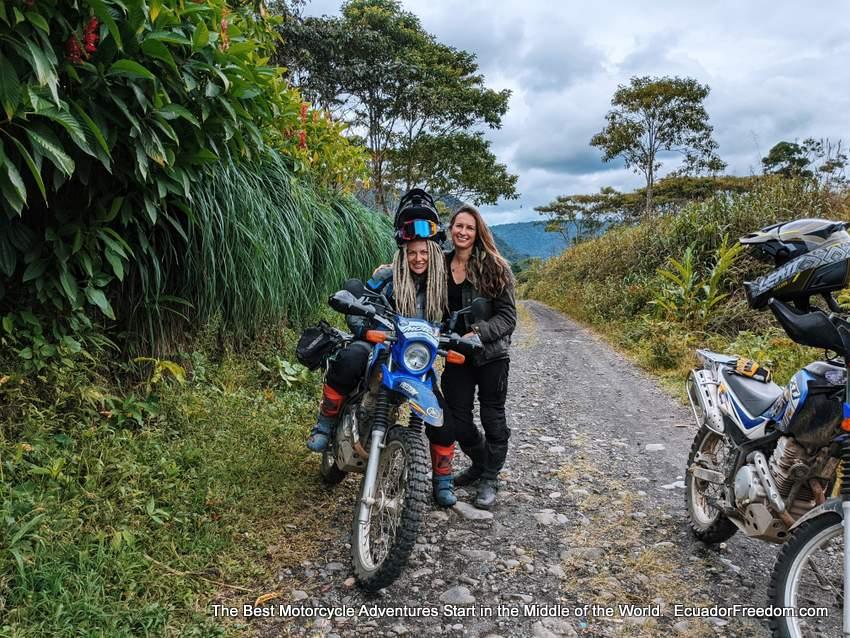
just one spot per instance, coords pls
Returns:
(482, 309)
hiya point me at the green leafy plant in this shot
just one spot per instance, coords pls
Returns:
(110, 112)
(691, 296)
(280, 370)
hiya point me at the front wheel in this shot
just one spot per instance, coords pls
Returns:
(808, 573)
(708, 523)
(381, 545)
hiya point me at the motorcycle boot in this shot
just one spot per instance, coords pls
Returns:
(441, 469)
(486, 497)
(471, 474)
(320, 435)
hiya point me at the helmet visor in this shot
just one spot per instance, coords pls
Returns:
(418, 229)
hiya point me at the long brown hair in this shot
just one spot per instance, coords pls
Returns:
(488, 271)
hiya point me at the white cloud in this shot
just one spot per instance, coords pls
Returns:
(777, 70)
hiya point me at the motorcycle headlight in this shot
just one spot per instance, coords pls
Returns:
(416, 357)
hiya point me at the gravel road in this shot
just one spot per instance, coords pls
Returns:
(590, 517)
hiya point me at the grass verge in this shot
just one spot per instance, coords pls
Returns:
(124, 511)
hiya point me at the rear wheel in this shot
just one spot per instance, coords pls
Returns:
(809, 573)
(708, 523)
(381, 546)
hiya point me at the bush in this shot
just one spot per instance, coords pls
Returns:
(657, 288)
(113, 112)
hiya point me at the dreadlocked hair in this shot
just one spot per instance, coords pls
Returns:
(436, 287)
(488, 272)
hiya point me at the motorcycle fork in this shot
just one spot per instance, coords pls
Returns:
(380, 423)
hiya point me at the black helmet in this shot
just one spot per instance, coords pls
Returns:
(417, 218)
(812, 257)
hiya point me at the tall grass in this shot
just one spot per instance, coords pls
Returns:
(614, 282)
(262, 246)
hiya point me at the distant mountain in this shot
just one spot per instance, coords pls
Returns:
(528, 239)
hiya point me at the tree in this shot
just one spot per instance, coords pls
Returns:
(655, 115)
(582, 216)
(419, 104)
(788, 159)
(819, 158)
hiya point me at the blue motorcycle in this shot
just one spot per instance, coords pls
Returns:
(369, 439)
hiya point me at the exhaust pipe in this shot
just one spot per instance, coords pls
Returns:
(702, 393)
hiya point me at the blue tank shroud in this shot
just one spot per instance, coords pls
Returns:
(420, 395)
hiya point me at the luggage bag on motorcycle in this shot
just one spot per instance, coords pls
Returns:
(317, 344)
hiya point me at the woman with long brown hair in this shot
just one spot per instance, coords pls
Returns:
(476, 269)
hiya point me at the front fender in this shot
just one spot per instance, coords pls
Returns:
(832, 506)
(419, 395)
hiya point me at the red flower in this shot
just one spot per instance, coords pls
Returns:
(304, 107)
(73, 52)
(302, 139)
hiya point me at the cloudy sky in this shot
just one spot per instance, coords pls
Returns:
(777, 70)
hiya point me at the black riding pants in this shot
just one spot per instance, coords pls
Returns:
(346, 370)
(459, 383)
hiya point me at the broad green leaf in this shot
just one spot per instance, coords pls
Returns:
(52, 151)
(16, 180)
(72, 126)
(105, 16)
(168, 36)
(69, 285)
(156, 7)
(116, 262)
(11, 196)
(204, 155)
(157, 50)
(201, 37)
(173, 111)
(35, 270)
(241, 48)
(10, 89)
(38, 21)
(131, 69)
(43, 70)
(96, 297)
(36, 173)
(118, 244)
(95, 131)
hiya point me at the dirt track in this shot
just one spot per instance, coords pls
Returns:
(590, 515)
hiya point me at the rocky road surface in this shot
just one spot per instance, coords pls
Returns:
(590, 517)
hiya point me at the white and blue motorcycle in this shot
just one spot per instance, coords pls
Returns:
(765, 457)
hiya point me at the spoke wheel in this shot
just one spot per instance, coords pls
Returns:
(381, 546)
(809, 573)
(708, 523)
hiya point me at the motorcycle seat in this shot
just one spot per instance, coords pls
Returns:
(755, 396)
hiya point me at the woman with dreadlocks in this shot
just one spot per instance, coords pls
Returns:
(416, 286)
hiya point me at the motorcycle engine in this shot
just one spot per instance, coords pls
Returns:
(798, 475)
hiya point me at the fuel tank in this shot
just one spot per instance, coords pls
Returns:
(813, 404)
